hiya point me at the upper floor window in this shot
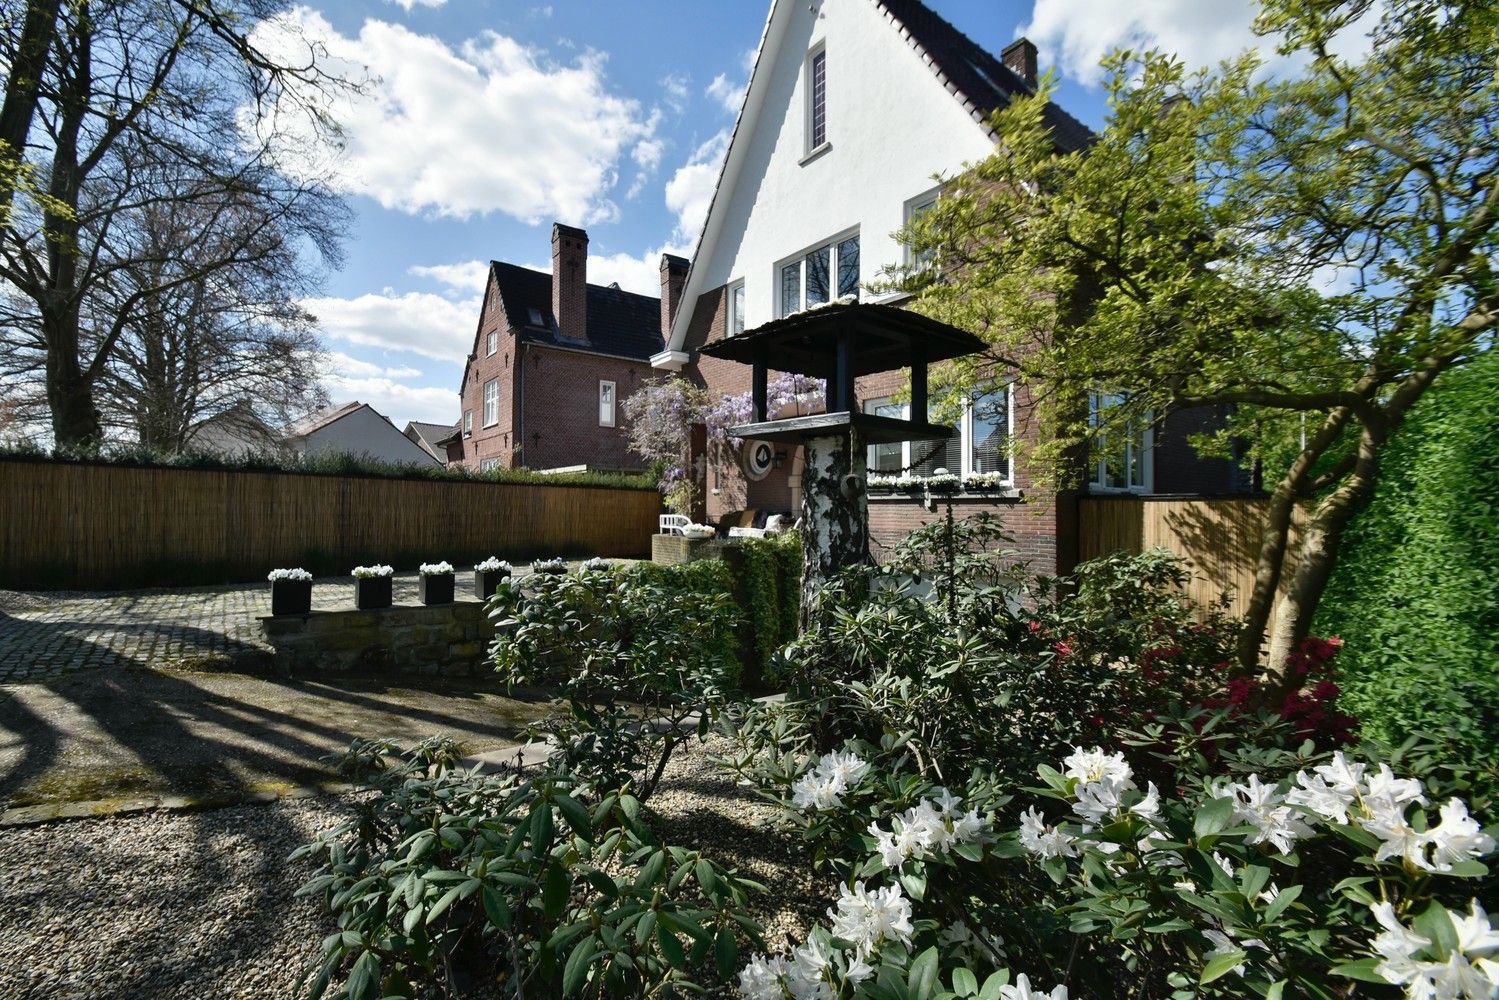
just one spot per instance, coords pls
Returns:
(817, 99)
(491, 402)
(915, 209)
(606, 404)
(468, 423)
(830, 271)
(492, 343)
(736, 308)
(1121, 456)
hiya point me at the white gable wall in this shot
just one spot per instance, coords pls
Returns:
(891, 125)
(365, 432)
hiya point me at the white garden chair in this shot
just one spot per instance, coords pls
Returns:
(672, 524)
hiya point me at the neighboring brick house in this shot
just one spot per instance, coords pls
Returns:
(853, 107)
(553, 359)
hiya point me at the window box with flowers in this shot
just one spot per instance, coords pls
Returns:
(437, 583)
(372, 587)
(291, 591)
(488, 576)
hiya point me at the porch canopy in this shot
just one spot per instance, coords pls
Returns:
(839, 342)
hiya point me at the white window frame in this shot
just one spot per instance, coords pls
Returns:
(607, 418)
(913, 207)
(736, 303)
(800, 259)
(491, 343)
(468, 423)
(488, 464)
(818, 51)
(909, 449)
(1098, 462)
(491, 402)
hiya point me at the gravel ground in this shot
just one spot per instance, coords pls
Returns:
(161, 904)
(201, 904)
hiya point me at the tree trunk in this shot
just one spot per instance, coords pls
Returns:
(21, 90)
(1316, 557)
(1273, 542)
(835, 513)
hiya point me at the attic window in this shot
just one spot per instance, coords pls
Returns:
(817, 99)
(536, 319)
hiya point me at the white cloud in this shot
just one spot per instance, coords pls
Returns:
(406, 5)
(690, 190)
(675, 90)
(396, 400)
(426, 324)
(726, 92)
(490, 126)
(468, 276)
(1077, 34)
(342, 365)
(647, 153)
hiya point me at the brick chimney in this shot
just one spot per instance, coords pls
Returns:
(673, 280)
(1020, 56)
(570, 281)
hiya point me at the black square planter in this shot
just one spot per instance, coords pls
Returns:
(437, 589)
(291, 597)
(371, 592)
(485, 582)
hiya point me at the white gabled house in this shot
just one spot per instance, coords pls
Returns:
(853, 108)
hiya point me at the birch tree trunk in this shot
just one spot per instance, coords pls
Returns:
(835, 513)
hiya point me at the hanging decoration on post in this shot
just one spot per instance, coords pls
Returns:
(839, 343)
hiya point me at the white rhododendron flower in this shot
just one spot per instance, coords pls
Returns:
(822, 787)
(1458, 837)
(299, 575)
(1408, 959)
(1022, 990)
(1047, 841)
(870, 917)
(1093, 765)
(761, 978)
(1263, 808)
(1331, 790)
(928, 827)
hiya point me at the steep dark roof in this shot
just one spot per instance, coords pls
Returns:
(620, 323)
(980, 80)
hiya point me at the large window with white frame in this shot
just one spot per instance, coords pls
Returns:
(606, 403)
(817, 98)
(826, 272)
(736, 309)
(491, 402)
(1121, 460)
(981, 446)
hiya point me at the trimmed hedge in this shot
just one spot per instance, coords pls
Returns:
(763, 576)
(138, 457)
(1415, 594)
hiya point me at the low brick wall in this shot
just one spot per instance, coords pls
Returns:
(675, 550)
(450, 640)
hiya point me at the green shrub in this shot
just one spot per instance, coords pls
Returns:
(135, 456)
(1415, 595)
(770, 583)
(447, 882)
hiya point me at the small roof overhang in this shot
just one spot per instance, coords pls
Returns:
(884, 338)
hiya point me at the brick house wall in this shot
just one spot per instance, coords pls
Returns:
(559, 423)
(496, 441)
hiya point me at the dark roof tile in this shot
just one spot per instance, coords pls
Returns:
(620, 323)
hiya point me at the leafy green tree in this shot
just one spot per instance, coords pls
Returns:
(1308, 251)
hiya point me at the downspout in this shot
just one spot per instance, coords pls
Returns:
(520, 435)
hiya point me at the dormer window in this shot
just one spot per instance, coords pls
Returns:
(817, 99)
(535, 315)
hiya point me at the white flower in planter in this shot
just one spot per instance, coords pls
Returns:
(299, 575)
(493, 565)
(555, 565)
(371, 572)
(595, 564)
(437, 569)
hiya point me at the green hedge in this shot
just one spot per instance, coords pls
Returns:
(1416, 591)
(312, 465)
(763, 576)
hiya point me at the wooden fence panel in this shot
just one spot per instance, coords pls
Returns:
(1219, 538)
(103, 526)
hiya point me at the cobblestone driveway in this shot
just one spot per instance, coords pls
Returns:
(44, 635)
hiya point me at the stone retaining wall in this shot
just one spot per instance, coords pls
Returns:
(449, 639)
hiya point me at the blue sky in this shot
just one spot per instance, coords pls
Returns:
(487, 120)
